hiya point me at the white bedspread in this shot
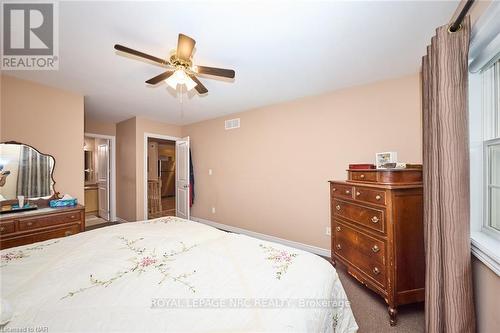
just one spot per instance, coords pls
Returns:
(170, 275)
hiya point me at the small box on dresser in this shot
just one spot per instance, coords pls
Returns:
(377, 232)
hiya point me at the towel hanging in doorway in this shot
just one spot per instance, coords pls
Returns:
(191, 180)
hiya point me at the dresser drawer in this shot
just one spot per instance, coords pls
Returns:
(356, 249)
(7, 227)
(363, 176)
(366, 216)
(40, 236)
(47, 221)
(369, 195)
(369, 246)
(340, 190)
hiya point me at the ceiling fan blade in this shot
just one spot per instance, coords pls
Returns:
(185, 46)
(215, 71)
(125, 49)
(159, 78)
(200, 88)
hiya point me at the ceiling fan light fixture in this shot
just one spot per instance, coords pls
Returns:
(180, 77)
(190, 84)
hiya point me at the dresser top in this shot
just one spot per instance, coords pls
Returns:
(386, 170)
(39, 211)
(377, 185)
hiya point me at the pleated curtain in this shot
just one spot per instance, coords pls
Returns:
(449, 303)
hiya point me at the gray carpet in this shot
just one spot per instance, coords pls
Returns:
(370, 310)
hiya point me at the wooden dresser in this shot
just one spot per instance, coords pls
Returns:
(377, 232)
(38, 225)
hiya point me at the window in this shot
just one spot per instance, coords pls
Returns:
(491, 115)
(493, 184)
(484, 132)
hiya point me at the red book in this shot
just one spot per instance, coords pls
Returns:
(361, 166)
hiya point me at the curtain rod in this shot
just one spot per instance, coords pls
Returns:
(455, 26)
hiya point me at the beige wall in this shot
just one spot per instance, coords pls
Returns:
(126, 170)
(130, 163)
(271, 175)
(51, 120)
(144, 125)
(99, 127)
(486, 294)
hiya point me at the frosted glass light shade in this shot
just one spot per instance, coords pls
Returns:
(180, 77)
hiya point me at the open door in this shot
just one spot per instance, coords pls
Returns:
(103, 177)
(182, 178)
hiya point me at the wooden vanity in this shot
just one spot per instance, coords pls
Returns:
(26, 189)
(91, 199)
(41, 224)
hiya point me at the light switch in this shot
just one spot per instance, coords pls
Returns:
(209, 172)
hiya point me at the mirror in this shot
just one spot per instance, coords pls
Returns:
(89, 172)
(25, 171)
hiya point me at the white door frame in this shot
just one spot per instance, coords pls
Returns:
(145, 173)
(112, 169)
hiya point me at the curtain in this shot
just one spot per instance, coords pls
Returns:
(34, 178)
(449, 303)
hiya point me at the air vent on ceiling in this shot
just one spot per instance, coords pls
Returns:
(232, 123)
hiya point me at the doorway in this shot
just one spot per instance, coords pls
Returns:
(166, 176)
(161, 178)
(99, 179)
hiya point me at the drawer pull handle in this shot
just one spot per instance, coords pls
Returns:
(339, 247)
(358, 194)
(376, 271)
(68, 233)
(347, 192)
(375, 249)
(362, 176)
(378, 197)
(375, 219)
(334, 189)
(337, 207)
(29, 224)
(72, 216)
(338, 228)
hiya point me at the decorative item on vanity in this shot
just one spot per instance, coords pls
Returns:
(65, 201)
(362, 166)
(35, 221)
(381, 159)
(377, 232)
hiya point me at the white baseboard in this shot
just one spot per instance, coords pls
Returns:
(309, 248)
(119, 219)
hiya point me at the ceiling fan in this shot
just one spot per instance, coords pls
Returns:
(180, 68)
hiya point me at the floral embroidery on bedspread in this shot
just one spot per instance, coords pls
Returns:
(10, 256)
(144, 261)
(281, 259)
(166, 219)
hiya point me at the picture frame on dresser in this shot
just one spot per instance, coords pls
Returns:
(377, 232)
(384, 158)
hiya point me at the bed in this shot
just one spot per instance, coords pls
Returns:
(170, 275)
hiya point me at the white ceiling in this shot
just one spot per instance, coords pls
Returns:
(280, 51)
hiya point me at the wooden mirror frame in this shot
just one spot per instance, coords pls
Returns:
(39, 202)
